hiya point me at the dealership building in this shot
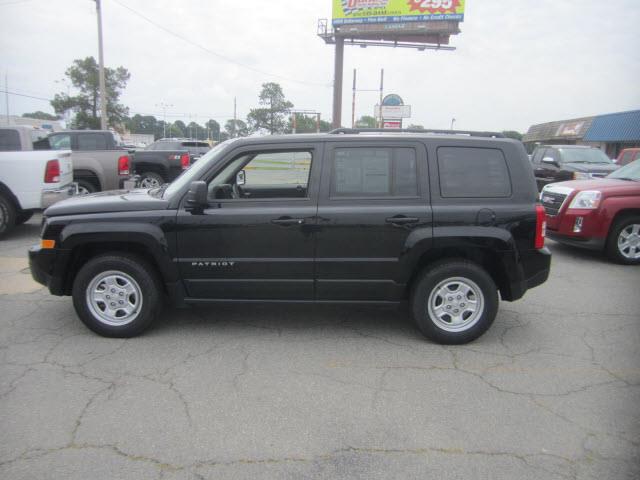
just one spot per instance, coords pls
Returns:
(611, 133)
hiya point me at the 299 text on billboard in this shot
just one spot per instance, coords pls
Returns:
(347, 12)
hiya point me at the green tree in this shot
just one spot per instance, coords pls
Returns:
(307, 124)
(513, 134)
(86, 104)
(272, 115)
(367, 121)
(142, 124)
(241, 129)
(39, 115)
(214, 129)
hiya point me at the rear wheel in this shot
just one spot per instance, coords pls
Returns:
(117, 295)
(86, 187)
(623, 243)
(7, 215)
(454, 302)
(151, 180)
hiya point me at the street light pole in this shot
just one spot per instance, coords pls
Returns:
(103, 94)
(453, 120)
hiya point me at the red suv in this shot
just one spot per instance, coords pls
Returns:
(600, 214)
(627, 156)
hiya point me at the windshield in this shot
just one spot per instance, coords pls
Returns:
(628, 172)
(194, 172)
(583, 155)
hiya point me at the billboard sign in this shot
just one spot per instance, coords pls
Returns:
(346, 12)
(393, 111)
(392, 124)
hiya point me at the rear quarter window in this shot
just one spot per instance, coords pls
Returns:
(468, 172)
(9, 140)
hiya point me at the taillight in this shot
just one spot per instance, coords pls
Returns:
(123, 165)
(541, 226)
(185, 161)
(52, 172)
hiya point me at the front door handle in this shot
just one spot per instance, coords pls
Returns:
(287, 221)
(402, 220)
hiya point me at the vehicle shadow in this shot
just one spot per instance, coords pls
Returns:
(577, 253)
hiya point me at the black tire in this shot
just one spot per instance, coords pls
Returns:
(23, 217)
(87, 187)
(439, 326)
(151, 180)
(7, 215)
(145, 279)
(614, 250)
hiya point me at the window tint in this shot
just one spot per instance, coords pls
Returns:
(92, 141)
(537, 155)
(627, 157)
(473, 172)
(9, 140)
(552, 153)
(60, 142)
(267, 175)
(374, 172)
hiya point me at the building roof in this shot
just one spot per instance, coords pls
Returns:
(574, 129)
(615, 127)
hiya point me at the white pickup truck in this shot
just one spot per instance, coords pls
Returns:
(30, 179)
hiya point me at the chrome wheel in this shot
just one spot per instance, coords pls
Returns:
(629, 241)
(83, 190)
(114, 298)
(150, 182)
(456, 304)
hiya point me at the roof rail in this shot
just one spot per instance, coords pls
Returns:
(348, 131)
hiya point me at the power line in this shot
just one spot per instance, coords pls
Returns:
(216, 54)
(172, 115)
(16, 2)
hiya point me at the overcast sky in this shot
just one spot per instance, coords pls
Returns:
(517, 63)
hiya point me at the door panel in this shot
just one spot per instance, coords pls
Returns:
(361, 242)
(252, 249)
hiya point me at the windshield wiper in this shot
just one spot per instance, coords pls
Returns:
(627, 179)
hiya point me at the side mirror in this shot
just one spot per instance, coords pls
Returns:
(550, 161)
(197, 196)
(241, 178)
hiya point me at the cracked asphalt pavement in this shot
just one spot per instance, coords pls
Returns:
(552, 391)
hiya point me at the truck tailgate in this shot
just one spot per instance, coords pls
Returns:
(66, 169)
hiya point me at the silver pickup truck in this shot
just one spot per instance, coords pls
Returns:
(100, 162)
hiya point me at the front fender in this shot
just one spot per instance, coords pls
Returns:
(150, 236)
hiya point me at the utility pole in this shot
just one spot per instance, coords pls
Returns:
(381, 125)
(235, 117)
(353, 102)
(6, 93)
(318, 122)
(103, 89)
(453, 120)
(337, 82)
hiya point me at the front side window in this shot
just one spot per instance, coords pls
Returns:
(265, 175)
(374, 172)
(60, 142)
(473, 173)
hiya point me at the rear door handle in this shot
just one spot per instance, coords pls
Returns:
(402, 220)
(287, 221)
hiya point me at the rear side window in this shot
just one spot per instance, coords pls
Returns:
(92, 141)
(9, 140)
(473, 173)
(374, 172)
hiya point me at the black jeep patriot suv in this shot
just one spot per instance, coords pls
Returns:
(445, 220)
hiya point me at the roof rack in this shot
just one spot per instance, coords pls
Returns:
(349, 131)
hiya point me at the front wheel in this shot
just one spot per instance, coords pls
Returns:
(117, 295)
(623, 244)
(454, 302)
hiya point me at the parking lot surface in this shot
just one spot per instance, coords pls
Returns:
(552, 391)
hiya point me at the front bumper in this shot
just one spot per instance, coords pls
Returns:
(49, 197)
(589, 243)
(42, 263)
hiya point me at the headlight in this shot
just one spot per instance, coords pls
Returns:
(589, 199)
(581, 176)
